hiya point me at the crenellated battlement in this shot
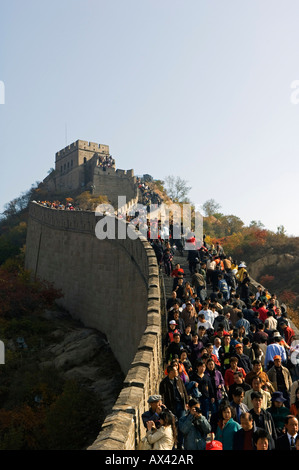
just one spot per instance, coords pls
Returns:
(117, 172)
(84, 165)
(82, 145)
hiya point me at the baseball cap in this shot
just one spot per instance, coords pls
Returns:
(214, 445)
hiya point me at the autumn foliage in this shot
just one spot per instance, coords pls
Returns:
(20, 295)
(39, 410)
(64, 423)
(266, 279)
(288, 297)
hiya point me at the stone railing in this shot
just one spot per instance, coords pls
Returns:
(123, 427)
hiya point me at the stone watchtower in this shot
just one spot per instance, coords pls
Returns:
(83, 166)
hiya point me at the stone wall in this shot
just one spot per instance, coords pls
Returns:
(113, 183)
(123, 427)
(110, 285)
(76, 169)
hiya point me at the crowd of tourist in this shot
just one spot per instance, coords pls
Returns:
(105, 161)
(58, 205)
(231, 380)
(147, 195)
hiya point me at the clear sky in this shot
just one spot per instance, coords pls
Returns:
(194, 88)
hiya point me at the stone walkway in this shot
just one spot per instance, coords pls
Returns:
(168, 280)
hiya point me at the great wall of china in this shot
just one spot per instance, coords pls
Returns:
(114, 286)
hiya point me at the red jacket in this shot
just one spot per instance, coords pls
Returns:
(263, 314)
(289, 334)
(229, 375)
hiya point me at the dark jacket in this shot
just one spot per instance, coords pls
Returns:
(244, 362)
(187, 340)
(225, 355)
(244, 292)
(166, 389)
(221, 319)
(174, 349)
(196, 351)
(239, 436)
(268, 425)
(231, 279)
(216, 381)
(233, 387)
(282, 443)
(204, 385)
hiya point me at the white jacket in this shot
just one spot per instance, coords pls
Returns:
(162, 439)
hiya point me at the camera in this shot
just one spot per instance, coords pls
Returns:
(197, 409)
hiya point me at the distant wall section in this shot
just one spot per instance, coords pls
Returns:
(113, 183)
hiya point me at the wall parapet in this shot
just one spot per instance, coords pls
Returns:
(49, 228)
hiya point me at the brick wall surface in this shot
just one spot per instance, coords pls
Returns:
(111, 285)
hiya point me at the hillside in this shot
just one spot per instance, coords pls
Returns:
(272, 258)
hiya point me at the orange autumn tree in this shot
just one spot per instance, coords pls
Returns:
(266, 279)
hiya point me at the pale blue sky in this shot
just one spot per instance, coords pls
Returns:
(199, 89)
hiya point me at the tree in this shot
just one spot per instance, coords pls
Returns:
(177, 188)
(71, 421)
(148, 178)
(12, 241)
(281, 230)
(211, 207)
(266, 279)
(288, 297)
(17, 205)
(19, 295)
(256, 224)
